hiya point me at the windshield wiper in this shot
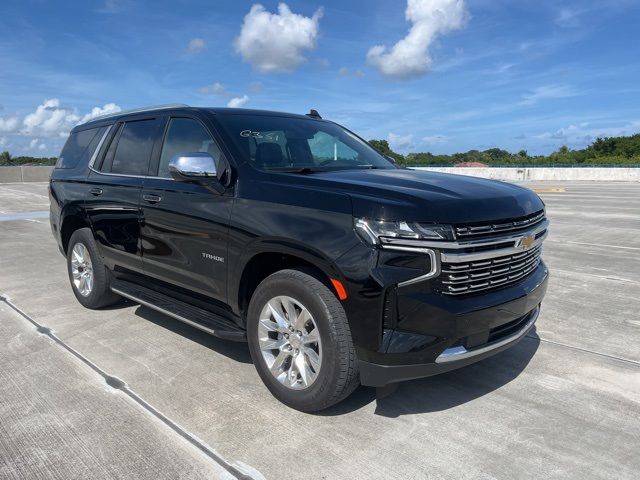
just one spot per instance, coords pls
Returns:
(303, 170)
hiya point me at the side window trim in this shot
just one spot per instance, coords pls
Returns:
(112, 134)
(132, 155)
(113, 137)
(94, 157)
(154, 164)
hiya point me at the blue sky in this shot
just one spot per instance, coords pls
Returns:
(465, 74)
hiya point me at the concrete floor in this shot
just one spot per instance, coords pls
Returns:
(564, 403)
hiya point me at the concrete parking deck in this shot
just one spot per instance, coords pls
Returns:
(564, 403)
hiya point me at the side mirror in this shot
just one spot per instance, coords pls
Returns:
(196, 167)
(391, 159)
(192, 166)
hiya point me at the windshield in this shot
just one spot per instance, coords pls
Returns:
(295, 144)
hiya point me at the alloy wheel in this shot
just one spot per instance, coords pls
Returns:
(81, 269)
(290, 342)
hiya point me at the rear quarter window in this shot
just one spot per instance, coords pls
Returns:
(135, 146)
(79, 147)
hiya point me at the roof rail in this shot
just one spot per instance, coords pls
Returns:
(139, 110)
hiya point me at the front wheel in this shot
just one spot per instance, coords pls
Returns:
(300, 341)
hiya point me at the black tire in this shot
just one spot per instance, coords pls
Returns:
(100, 294)
(338, 375)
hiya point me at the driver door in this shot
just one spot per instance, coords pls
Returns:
(184, 228)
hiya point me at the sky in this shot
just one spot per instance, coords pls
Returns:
(442, 76)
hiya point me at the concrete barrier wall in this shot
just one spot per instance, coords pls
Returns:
(10, 174)
(41, 174)
(25, 174)
(544, 173)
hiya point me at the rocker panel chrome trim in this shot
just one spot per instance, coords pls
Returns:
(162, 310)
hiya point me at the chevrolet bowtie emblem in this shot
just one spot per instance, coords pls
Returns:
(525, 243)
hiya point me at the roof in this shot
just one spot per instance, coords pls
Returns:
(112, 117)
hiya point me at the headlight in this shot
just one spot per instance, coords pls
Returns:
(372, 230)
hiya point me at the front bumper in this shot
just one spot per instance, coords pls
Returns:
(378, 375)
(502, 324)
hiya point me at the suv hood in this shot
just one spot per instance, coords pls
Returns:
(413, 195)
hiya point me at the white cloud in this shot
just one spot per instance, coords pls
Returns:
(111, 6)
(9, 124)
(410, 56)
(196, 45)
(256, 87)
(435, 139)
(214, 89)
(3, 141)
(585, 133)
(276, 42)
(547, 92)
(400, 142)
(35, 144)
(345, 72)
(237, 102)
(51, 120)
(568, 17)
(323, 63)
(99, 111)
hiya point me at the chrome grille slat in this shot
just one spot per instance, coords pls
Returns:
(461, 288)
(515, 225)
(496, 262)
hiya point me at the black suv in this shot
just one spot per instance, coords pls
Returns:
(290, 232)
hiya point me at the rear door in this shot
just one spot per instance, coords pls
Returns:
(185, 225)
(115, 184)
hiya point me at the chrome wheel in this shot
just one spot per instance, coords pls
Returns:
(81, 269)
(290, 342)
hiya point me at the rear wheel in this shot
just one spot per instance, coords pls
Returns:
(300, 341)
(88, 276)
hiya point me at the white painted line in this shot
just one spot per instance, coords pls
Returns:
(23, 192)
(593, 244)
(602, 277)
(241, 472)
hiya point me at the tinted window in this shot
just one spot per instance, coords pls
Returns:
(111, 150)
(184, 136)
(80, 147)
(277, 142)
(133, 152)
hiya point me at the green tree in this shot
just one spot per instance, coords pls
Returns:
(383, 147)
(5, 158)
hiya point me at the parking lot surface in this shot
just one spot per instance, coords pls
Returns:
(563, 403)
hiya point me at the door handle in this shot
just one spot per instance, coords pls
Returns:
(151, 198)
(95, 191)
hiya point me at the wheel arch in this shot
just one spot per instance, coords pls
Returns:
(72, 219)
(265, 259)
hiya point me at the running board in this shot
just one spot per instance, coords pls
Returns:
(196, 317)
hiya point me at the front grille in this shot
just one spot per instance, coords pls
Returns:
(469, 277)
(488, 229)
